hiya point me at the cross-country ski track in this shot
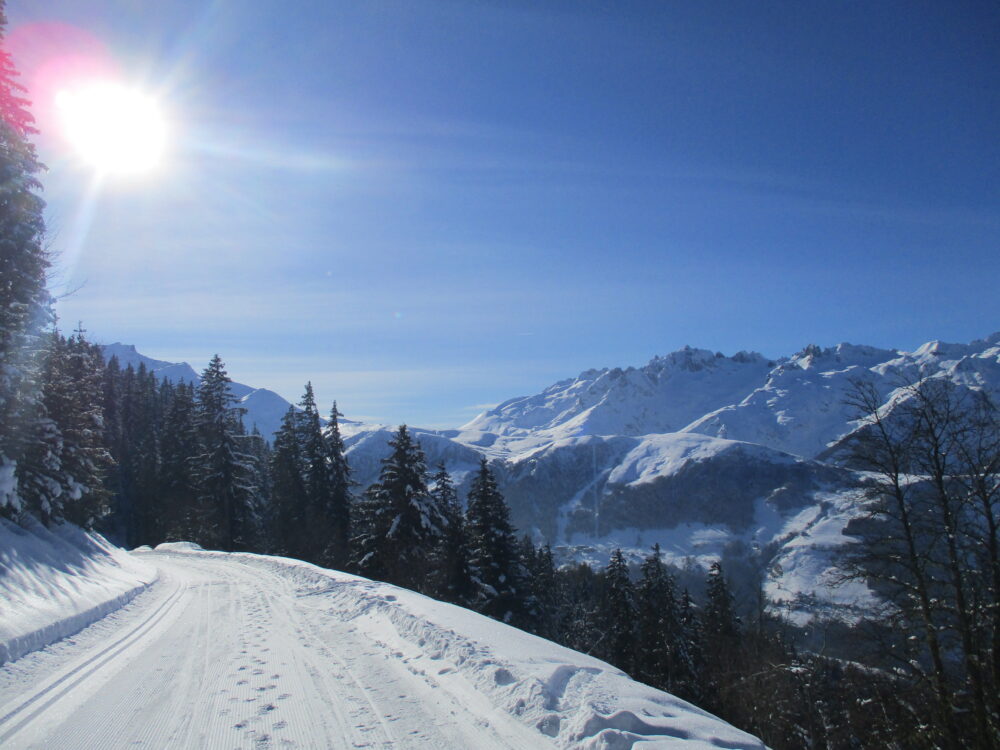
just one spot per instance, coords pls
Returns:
(246, 651)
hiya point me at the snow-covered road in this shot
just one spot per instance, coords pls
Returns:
(240, 651)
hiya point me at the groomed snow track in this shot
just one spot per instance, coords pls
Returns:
(234, 651)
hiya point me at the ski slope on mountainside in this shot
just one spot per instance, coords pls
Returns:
(237, 650)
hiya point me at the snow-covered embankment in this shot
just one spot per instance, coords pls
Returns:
(56, 581)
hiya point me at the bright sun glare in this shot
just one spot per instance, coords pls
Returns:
(113, 128)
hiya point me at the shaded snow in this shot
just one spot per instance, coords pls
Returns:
(54, 582)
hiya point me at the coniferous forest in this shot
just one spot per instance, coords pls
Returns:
(146, 461)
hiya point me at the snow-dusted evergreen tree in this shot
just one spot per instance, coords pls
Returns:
(178, 447)
(264, 528)
(452, 576)
(400, 523)
(659, 636)
(84, 458)
(316, 477)
(224, 471)
(62, 471)
(617, 614)
(545, 601)
(719, 615)
(25, 304)
(336, 552)
(496, 569)
(137, 504)
(691, 680)
(720, 638)
(288, 492)
(40, 483)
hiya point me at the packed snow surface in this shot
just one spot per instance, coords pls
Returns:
(239, 650)
(55, 582)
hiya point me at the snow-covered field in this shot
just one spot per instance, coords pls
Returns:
(237, 650)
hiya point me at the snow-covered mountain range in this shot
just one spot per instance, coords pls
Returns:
(702, 453)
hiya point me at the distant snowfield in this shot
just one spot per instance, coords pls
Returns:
(239, 650)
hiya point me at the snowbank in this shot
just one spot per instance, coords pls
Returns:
(570, 699)
(55, 582)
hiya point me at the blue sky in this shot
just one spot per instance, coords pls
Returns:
(424, 207)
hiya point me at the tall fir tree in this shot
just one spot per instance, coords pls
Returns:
(223, 470)
(25, 304)
(452, 577)
(178, 448)
(617, 614)
(338, 508)
(544, 587)
(720, 638)
(84, 459)
(401, 526)
(288, 491)
(496, 569)
(317, 480)
(63, 468)
(659, 636)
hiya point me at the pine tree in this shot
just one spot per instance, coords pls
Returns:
(317, 480)
(544, 590)
(25, 304)
(139, 501)
(494, 562)
(338, 507)
(689, 683)
(288, 491)
(223, 470)
(720, 638)
(452, 577)
(62, 470)
(617, 614)
(579, 598)
(40, 482)
(84, 458)
(178, 447)
(401, 525)
(658, 629)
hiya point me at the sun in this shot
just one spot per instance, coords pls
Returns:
(113, 128)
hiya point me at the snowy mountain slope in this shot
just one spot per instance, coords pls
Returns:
(801, 408)
(244, 650)
(175, 372)
(794, 405)
(55, 582)
(663, 396)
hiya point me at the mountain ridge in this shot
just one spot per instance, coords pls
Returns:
(704, 454)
